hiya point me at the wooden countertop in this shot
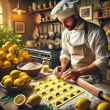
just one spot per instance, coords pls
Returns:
(27, 93)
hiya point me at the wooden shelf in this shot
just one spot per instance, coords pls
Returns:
(49, 21)
(41, 10)
(100, 19)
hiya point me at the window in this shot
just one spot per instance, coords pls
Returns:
(1, 15)
(5, 13)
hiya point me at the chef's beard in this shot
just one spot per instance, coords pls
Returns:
(73, 25)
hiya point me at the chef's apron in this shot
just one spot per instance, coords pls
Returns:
(82, 55)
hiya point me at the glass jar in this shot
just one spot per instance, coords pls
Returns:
(45, 64)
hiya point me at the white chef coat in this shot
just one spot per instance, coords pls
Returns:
(97, 41)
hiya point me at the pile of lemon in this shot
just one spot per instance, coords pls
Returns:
(8, 56)
(16, 78)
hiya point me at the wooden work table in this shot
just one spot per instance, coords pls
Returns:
(94, 100)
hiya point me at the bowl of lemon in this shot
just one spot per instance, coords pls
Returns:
(15, 81)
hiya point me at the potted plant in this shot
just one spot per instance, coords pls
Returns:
(45, 4)
(50, 3)
(98, 11)
(40, 3)
(6, 35)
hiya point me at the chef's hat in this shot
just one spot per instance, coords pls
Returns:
(64, 9)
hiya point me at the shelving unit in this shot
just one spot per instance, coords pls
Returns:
(101, 18)
(43, 10)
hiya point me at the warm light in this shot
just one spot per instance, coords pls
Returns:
(19, 12)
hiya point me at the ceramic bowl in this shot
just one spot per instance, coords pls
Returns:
(13, 88)
(32, 72)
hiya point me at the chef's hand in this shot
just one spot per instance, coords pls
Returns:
(71, 74)
(59, 71)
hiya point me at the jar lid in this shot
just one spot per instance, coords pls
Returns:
(45, 58)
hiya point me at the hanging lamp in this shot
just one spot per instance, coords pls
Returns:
(19, 10)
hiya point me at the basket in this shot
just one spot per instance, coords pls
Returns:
(106, 8)
(7, 69)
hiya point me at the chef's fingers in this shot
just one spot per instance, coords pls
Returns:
(66, 72)
(70, 76)
(62, 70)
(56, 72)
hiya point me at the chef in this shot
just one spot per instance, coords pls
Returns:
(83, 43)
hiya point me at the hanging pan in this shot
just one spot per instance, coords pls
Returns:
(51, 33)
(59, 33)
(42, 35)
(46, 34)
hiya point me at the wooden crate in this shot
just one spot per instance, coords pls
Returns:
(106, 8)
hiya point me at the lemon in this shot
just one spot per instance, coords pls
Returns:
(20, 58)
(103, 106)
(11, 49)
(5, 77)
(18, 82)
(3, 59)
(14, 61)
(9, 44)
(2, 54)
(14, 55)
(26, 78)
(20, 100)
(4, 47)
(0, 63)
(1, 49)
(22, 74)
(82, 104)
(21, 51)
(8, 82)
(34, 100)
(7, 63)
(9, 56)
(15, 46)
(25, 55)
(5, 53)
(15, 74)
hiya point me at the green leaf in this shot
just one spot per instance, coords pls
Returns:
(17, 35)
(18, 40)
(10, 99)
(5, 98)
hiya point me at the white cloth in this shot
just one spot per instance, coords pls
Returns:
(97, 41)
(64, 9)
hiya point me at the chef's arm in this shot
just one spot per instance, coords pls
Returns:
(64, 62)
(88, 70)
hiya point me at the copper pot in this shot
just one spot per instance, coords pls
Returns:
(53, 45)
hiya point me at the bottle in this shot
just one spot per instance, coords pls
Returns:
(45, 64)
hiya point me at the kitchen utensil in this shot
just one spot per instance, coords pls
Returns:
(32, 72)
(59, 32)
(91, 89)
(56, 32)
(31, 43)
(46, 34)
(42, 35)
(51, 33)
(38, 18)
(35, 34)
(53, 45)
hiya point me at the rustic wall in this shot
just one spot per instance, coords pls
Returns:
(30, 23)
